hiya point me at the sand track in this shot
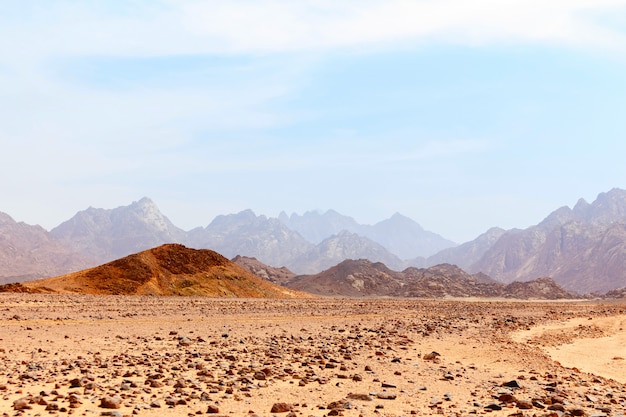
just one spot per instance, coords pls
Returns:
(594, 345)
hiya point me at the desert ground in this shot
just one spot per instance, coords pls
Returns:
(184, 356)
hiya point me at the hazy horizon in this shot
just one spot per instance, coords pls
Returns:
(461, 115)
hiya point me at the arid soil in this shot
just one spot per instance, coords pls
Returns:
(183, 356)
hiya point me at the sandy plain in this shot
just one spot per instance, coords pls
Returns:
(178, 356)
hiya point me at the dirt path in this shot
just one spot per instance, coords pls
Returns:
(596, 346)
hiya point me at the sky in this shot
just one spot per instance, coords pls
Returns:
(460, 114)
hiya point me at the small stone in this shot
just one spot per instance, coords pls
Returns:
(281, 408)
(213, 409)
(111, 402)
(22, 404)
(494, 406)
(111, 413)
(435, 401)
(386, 396)
(361, 397)
(506, 398)
(512, 384)
(184, 341)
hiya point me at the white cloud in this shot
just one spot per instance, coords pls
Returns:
(189, 27)
(281, 25)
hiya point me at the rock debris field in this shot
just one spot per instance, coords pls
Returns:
(178, 356)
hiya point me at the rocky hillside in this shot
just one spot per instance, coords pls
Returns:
(351, 278)
(30, 252)
(170, 269)
(466, 254)
(583, 249)
(278, 276)
(362, 278)
(445, 280)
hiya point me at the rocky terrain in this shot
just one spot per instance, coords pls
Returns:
(363, 278)
(278, 276)
(173, 356)
(170, 269)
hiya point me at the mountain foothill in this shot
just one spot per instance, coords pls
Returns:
(579, 250)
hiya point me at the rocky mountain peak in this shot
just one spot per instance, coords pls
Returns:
(106, 234)
(5, 218)
(581, 206)
(148, 212)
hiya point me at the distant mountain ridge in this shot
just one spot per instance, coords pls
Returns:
(28, 252)
(105, 235)
(247, 234)
(400, 235)
(582, 248)
(336, 248)
(95, 236)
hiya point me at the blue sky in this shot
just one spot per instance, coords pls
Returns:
(461, 114)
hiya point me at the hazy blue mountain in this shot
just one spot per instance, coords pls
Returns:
(29, 252)
(247, 234)
(399, 234)
(405, 238)
(108, 234)
(339, 247)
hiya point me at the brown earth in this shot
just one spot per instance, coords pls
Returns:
(363, 278)
(272, 274)
(182, 356)
(170, 269)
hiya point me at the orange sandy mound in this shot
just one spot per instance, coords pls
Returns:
(170, 269)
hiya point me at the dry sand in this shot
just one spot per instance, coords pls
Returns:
(591, 345)
(169, 356)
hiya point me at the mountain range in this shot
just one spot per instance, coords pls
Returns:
(582, 248)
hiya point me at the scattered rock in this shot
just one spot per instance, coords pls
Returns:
(281, 408)
(111, 402)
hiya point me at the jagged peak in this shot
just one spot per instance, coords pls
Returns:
(5, 218)
(144, 201)
(581, 205)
